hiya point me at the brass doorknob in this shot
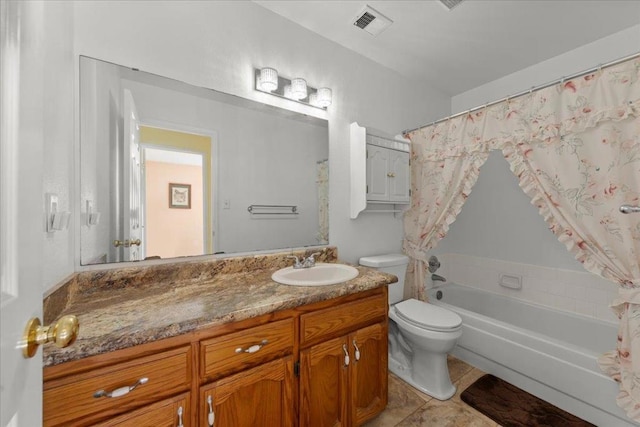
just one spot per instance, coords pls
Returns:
(63, 333)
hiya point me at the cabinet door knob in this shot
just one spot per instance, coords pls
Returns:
(211, 417)
(357, 353)
(390, 175)
(63, 333)
(180, 410)
(346, 355)
(120, 391)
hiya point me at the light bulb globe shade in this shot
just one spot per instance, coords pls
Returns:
(324, 97)
(268, 79)
(287, 92)
(299, 88)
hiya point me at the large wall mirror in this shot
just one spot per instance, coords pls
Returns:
(171, 170)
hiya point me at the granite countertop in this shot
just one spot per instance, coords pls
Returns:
(112, 319)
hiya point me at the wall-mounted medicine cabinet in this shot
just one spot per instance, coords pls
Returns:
(380, 177)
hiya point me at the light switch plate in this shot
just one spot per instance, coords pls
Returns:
(51, 208)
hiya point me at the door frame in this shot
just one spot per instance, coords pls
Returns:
(211, 212)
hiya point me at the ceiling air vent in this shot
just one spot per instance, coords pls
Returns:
(372, 21)
(450, 4)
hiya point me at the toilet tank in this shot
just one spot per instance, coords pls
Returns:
(395, 264)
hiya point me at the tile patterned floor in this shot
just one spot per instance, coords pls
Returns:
(409, 407)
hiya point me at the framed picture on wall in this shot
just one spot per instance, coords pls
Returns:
(179, 196)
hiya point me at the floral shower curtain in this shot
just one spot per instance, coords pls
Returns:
(575, 148)
(322, 183)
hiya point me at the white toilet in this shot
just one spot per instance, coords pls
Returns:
(420, 334)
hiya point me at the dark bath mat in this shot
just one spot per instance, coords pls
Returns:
(509, 406)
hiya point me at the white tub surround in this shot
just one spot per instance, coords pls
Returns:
(573, 291)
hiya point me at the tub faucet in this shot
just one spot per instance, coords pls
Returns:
(438, 278)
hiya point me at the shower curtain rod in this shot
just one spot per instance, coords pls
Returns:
(533, 89)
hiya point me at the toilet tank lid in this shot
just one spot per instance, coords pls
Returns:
(388, 260)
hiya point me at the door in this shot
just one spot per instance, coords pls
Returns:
(132, 243)
(324, 382)
(21, 206)
(369, 380)
(261, 396)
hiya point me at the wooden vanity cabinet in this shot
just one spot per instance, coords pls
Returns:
(343, 380)
(286, 369)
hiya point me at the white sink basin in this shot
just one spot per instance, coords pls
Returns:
(320, 275)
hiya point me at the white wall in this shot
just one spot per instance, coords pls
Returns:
(217, 45)
(500, 232)
(58, 126)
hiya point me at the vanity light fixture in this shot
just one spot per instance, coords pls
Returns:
(268, 81)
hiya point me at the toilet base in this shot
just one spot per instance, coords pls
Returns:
(404, 372)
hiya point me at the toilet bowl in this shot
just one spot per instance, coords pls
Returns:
(420, 334)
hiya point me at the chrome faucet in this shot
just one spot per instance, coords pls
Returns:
(307, 262)
(438, 278)
(296, 264)
(310, 261)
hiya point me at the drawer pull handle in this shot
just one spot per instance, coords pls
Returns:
(253, 348)
(180, 417)
(212, 416)
(357, 354)
(346, 355)
(120, 391)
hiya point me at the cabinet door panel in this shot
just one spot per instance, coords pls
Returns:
(377, 170)
(323, 385)
(369, 380)
(400, 180)
(262, 396)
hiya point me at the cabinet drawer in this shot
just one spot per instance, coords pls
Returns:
(233, 352)
(166, 413)
(335, 321)
(72, 398)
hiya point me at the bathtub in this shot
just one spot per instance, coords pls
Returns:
(549, 353)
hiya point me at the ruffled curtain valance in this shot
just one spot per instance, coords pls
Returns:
(575, 148)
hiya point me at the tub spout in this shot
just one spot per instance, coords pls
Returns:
(438, 278)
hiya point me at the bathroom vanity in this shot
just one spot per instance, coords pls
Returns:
(218, 343)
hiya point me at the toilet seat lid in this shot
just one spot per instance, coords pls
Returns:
(427, 315)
